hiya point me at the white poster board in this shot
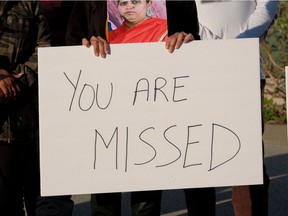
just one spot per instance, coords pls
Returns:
(145, 119)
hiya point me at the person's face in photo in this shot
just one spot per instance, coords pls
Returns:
(133, 11)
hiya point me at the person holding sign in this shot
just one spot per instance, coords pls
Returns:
(23, 28)
(138, 26)
(241, 19)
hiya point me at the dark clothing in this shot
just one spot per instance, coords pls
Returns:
(23, 29)
(55, 206)
(18, 179)
(182, 16)
(57, 13)
(88, 18)
(200, 201)
(108, 204)
(144, 203)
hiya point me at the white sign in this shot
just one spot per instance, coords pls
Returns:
(145, 119)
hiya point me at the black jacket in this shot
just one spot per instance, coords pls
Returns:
(88, 18)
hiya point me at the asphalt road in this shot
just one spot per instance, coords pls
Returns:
(276, 160)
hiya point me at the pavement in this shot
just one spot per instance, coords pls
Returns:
(173, 202)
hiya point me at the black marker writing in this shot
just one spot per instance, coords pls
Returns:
(75, 87)
(88, 95)
(165, 136)
(214, 166)
(176, 87)
(159, 89)
(143, 86)
(185, 147)
(190, 144)
(115, 134)
(141, 90)
(154, 150)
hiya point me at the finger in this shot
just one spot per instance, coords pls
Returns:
(9, 93)
(170, 44)
(4, 88)
(105, 44)
(95, 43)
(14, 90)
(169, 41)
(188, 38)
(10, 87)
(85, 42)
(16, 86)
(180, 39)
(183, 37)
(102, 47)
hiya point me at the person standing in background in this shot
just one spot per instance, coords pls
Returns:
(23, 28)
(241, 19)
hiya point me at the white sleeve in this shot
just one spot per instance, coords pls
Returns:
(206, 34)
(261, 19)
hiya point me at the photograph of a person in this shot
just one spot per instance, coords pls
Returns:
(134, 21)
